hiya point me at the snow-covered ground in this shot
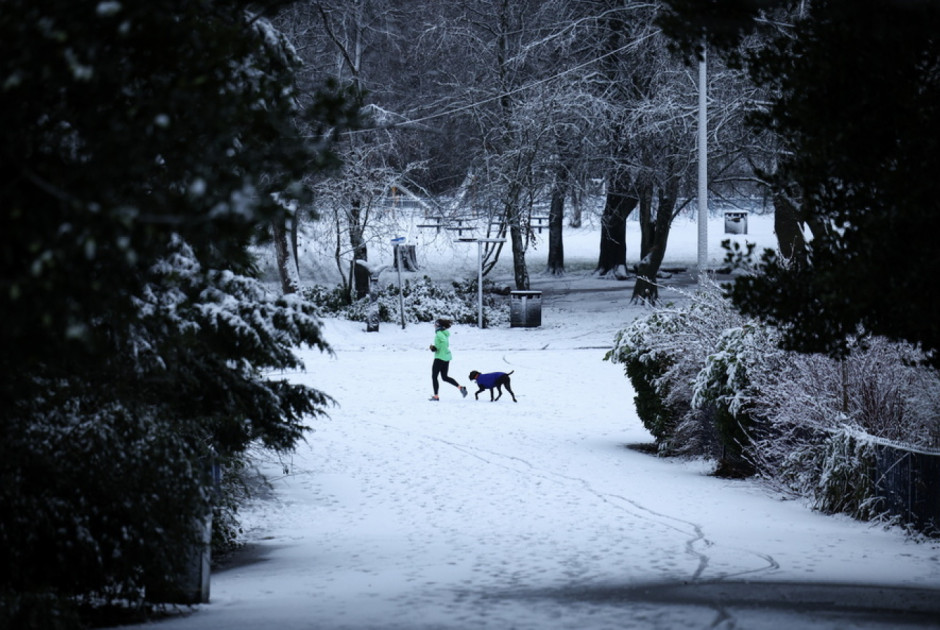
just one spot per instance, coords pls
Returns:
(400, 513)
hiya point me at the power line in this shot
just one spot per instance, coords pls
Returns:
(495, 97)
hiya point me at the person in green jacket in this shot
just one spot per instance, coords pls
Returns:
(442, 357)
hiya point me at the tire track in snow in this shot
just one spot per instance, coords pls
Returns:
(697, 540)
(697, 545)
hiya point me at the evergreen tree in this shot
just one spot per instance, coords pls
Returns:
(856, 105)
(143, 143)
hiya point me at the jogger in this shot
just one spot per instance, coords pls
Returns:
(442, 357)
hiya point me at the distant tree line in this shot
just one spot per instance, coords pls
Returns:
(826, 108)
(505, 105)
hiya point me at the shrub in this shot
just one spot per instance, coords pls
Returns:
(424, 301)
(328, 301)
(651, 407)
(846, 468)
(820, 417)
(662, 354)
(725, 384)
(43, 610)
(710, 383)
(105, 523)
(646, 366)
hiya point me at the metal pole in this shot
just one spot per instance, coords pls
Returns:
(401, 294)
(480, 284)
(702, 169)
(480, 242)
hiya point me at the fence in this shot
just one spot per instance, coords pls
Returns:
(908, 482)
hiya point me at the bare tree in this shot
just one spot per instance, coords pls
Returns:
(514, 104)
(510, 138)
(618, 27)
(652, 96)
(361, 44)
(527, 111)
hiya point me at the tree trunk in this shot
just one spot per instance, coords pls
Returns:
(577, 195)
(655, 236)
(618, 205)
(520, 271)
(360, 250)
(787, 226)
(647, 228)
(294, 238)
(289, 280)
(491, 252)
(518, 224)
(556, 217)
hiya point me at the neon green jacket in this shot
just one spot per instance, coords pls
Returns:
(442, 343)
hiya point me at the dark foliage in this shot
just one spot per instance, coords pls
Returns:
(855, 88)
(722, 22)
(733, 435)
(651, 406)
(141, 144)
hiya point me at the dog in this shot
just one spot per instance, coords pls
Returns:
(492, 380)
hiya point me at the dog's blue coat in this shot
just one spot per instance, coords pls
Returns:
(489, 379)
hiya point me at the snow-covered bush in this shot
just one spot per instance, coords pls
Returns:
(892, 393)
(882, 388)
(424, 301)
(775, 409)
(846, 469)
(726, 384)
(647, 362)
(815, 413)
(710, 383)
(104, 521)
(662, 354)
(108, 469)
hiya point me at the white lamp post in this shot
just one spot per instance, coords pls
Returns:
(702, 169)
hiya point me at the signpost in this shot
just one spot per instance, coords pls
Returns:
(396, 245)
(480, 242)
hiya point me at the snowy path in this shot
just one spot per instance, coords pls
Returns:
(405, 514)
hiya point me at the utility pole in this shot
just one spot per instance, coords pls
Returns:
(702, 167)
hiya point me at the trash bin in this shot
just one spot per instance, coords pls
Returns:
(191, 585)
(525, 309)
(736, 222)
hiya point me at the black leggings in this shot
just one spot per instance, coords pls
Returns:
(439, 368)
